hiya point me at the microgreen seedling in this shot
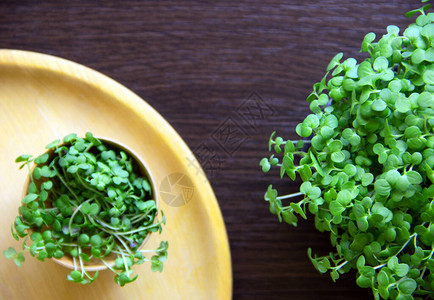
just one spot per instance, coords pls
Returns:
(368, 169)
(88, 200)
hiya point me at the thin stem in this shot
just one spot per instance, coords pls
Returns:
(125, 264)
(51, 209)
(81, 261)
(74, 213)
(128, 232)
(279, 165)
(406, 243)
(398, 282)
(296, 141)
(75, 263)
(30, 171)
(108, 266)
(65, 184)
(88, 186)
(105, 224)
(69, 244)
(139, 219)
(123, 244)
(138, 229)
(424, 269)
(88, 147)
(290, 196)
(327, 210)
(156, 250)
(144, 259)
(380, 266)
(340, 266)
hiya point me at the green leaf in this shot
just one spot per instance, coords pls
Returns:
(384, 291)
(327, 132)
(10, 253)
(145, 206)
(75, 276)
(428, 76)
(361, 262)
(335, 61)
(382, 187)
(72, 169)
(43, 196)
(47, 185)
(305, 187)
(379, 105)
(19, 259)
(365, 69)
(344, 197)
(401, 270)
(29, 198)
(69, 137)
(390, 234)
(407, 286)
(367, 271)
(92, 139)
(147, 187)
(289, 218)
(338, 157)
(265, 164)
(117, 180)
(392, 263)
(50, 248)
(53, 144)
(335, 146)
(334, 275)
(425, 99)
(412, 132)
(37, 173)
(95, 240)
(83, 239)
(403, 105)
(311, 121)
(323, 99)
(45, 171)
(336, 208)
(350, 170)
(367, 179)
(383, 278)
(42, 158)
(296, 207)
(418, 56)
(36, 236)
(360, 241)
(22, 158)
(364, 282)
(58, 254)
(90, 209)
(414, 177)
(305, 172)
(270, 140)
(381, 63)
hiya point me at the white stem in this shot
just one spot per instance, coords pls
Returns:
(290, 196)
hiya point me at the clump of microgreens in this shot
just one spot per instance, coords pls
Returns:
(368, 171)
(88, 200)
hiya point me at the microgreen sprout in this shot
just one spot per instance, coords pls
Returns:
(87, 200)
(368, 168)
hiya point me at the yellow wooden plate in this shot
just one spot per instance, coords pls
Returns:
(43, 98)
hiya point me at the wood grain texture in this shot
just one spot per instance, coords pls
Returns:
(196, 62)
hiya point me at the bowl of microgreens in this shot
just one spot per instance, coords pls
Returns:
(366, 159)
(89, 204)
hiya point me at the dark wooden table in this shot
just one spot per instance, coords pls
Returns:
(204, 64)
